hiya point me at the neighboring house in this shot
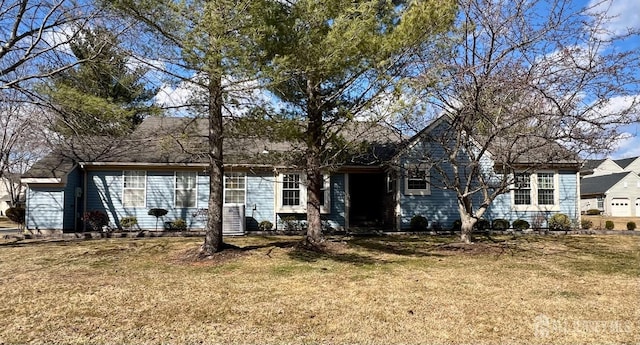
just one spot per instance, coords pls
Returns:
(162, 165)
(598, 167)
(611, 186)
(616, 195)
(7, 195)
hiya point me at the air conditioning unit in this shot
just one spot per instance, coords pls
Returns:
(233, 221)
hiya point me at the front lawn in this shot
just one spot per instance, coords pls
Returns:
(382, 290)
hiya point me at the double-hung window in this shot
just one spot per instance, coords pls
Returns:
(134, 187)
(292, 193)
(291, 190)
(416, 180)
(234, 188)
(535, 191)
(186, 189)
(522, 189)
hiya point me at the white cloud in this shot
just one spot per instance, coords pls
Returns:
(622, 14)
(628, 146)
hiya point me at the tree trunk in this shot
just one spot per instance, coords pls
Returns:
(213, 232)
(314, 173)
(467, 219)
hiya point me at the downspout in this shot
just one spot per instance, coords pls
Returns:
(84, 194)
(579, 200)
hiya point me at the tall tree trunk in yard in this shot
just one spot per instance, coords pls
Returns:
(314, 174)
(213, 232)
(467, 219)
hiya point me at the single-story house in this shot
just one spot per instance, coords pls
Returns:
(162, 165)
(616, 195)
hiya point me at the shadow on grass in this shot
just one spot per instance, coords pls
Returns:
(307, 255)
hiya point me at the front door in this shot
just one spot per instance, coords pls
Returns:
(366, 200)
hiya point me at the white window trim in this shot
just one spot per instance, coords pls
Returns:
(224, 191)
(302, 208)
(409, 191)
(533, 175)
(144, 204)
(175, 189)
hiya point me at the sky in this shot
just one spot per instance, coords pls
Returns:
(624, 15)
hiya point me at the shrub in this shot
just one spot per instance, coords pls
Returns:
(631, 226)
(608, 225)
(482, 224)
(586, 224)
(16, 214)
(95, 220)
(593, 212)
(457, 225)
(500, 224)
(436, 226)
(560, 221)
(521, 224)
(129, 222)
(265, 225)
(176, 225)
(157, 212)
(419, 223)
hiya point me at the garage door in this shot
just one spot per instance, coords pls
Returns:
(620, 207)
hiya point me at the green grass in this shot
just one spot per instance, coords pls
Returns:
(411, 290)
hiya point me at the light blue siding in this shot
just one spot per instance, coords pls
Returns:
(105, 188)
(502, 207)
(336, 217)
(54, 207)
(260, 199)
(441, 205)
(45, 208)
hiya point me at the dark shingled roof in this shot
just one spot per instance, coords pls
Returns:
(179, 141)
(600, 184)
(624, 163)
(591, 164)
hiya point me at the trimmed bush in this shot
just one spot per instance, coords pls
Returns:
(593, 212)
(157, 212)
(482, 224)
(608, 225)
(631, 226)
(129, 222)
(559, 222)
(95, 220)
(176, 225)
(16, 214)
(586, 224)
(265, 225)
(500, 224)
(457, 225)
(419, 223)
(521, 224)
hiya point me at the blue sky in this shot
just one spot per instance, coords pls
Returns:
(625, 15)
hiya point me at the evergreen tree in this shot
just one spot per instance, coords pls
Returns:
(327, 61)
(104, 94)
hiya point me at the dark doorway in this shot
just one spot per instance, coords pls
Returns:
(366, 193)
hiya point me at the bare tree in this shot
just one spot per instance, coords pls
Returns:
(523, 84)
(21, 141)
(35, 36)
